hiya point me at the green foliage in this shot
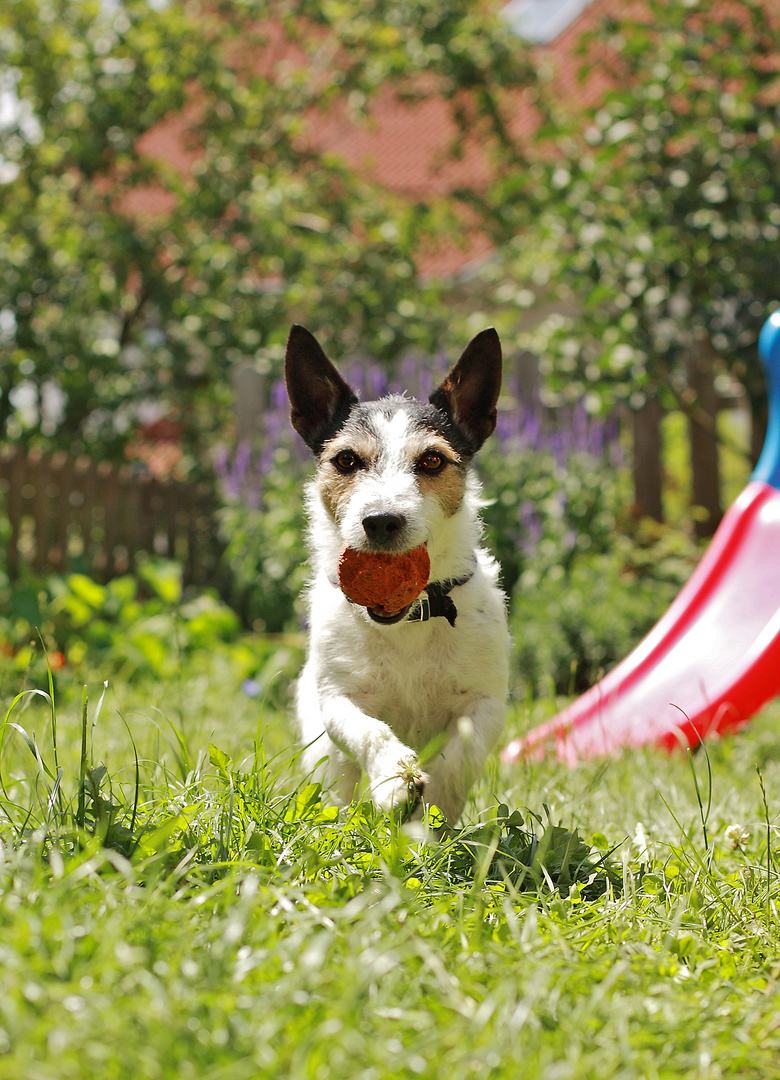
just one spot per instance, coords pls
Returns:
(659, 202)
(251, 223)
(141, 623)
(545, 508)
(573, 623)
(265, 549)
(508, 848)
(585, 580)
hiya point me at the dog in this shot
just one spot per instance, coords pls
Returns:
(414, 699)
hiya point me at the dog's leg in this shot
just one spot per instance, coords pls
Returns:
(395, 778)
(459, 764)
(340, 739)
(320, 758)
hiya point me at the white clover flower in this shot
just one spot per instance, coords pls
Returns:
(737, 836)
(640, 840)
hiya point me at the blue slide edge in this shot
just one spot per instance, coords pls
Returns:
(768, 467)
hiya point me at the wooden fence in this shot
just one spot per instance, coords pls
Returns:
(68, 513)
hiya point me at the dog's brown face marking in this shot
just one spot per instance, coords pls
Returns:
(447, 483)
(439, 469)
(336, 484)
(392, 436)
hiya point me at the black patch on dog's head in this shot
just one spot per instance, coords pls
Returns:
(428, 417)
(424, 418)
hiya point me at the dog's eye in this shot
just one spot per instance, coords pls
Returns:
(431, 461)
(347, 461)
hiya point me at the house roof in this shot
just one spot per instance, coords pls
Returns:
(404, 146)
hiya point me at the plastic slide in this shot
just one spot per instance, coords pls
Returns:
(713, 659)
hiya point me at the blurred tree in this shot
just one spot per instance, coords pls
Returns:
(166, 208)
(659, 210)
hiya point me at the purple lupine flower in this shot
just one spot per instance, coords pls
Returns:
(532, 429)
(278, 396)
(579, 427)
(531, 527)
(374, 384)
(412, 376)
(220, 460)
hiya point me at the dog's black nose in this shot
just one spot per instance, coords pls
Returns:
(382, 528)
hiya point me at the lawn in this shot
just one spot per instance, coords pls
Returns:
(238, 927)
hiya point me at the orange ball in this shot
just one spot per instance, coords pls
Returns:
(383, 580)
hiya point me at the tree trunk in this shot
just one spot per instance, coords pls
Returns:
(759, 420)
(702, 419)
(647, 460)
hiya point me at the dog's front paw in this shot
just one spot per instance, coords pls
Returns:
(403, 789)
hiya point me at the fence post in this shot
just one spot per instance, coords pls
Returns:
(14, 468)
(249, 394)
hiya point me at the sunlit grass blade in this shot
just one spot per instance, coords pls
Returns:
(768, 847)
(137, 764)
(52, 706)
(82, 797)
(54, 793)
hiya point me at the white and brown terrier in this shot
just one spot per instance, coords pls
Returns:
(415, 700)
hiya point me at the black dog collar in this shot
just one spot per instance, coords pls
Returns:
(435, 600)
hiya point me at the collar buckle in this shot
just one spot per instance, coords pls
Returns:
(424, 611)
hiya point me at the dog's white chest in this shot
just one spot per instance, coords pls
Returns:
(422, 677)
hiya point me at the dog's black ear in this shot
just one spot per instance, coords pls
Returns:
(320, 400)
(469, 393)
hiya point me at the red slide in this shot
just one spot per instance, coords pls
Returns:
(713, 659)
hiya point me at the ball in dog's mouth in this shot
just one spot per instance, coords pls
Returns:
(383, 582)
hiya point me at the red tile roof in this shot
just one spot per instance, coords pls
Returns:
(404, 146)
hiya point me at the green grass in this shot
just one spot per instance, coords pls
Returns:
(239, 927)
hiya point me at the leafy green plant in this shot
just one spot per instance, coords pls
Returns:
(572, 623)
(546, 509)
(50, 813)
(532, 854)
(144, 631)
(143, 621)
(265, 548)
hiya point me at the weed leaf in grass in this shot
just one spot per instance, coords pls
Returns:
(509, 848)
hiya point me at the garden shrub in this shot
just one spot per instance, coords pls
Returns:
(573, 623)
(263, 529)
(142, 622)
